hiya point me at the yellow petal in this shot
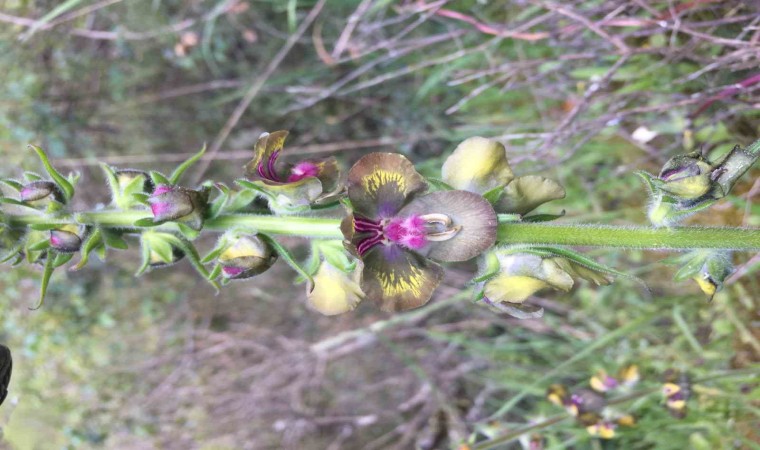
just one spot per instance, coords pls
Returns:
(513, 289)
(477, 165)
(334, 291)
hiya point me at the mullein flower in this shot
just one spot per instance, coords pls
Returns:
(590, 410)
(175, 203)
(676, 390)
(67, 239)
(708, 268)
(294, 185)
(480, 165)
(245, 256)
(41, 193)
(627, 377)
(397, 232)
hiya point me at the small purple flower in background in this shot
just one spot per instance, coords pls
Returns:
(175, 203)
(290, 185)
(676, 390)
(398, 233)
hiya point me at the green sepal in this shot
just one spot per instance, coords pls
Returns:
(13, 201)
(439, 185)
(221, 246)
(66, 187)
(544, 217)
(91, 242)
(32, 176)
(175, 176)
(508, 217)
(145, 256)
(61, 259)
(15, 251)
(141, 197)
(648, 180)
(192, 255)
(494, 195)
(47, 272)
(38, 246)
(240, 200)
(111, 179)
(190, 233)
(146, 222)
(255, 188)
(217, 205)
(159, 178)
(100, 251)
(113, 239)
(13, 184)
(490, 268)
(215, 273)
(288, 258)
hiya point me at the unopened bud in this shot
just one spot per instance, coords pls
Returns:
(39, 191)
(66, 239)
(686, 177)
(245, 257)
(126, 177)
(175, 203)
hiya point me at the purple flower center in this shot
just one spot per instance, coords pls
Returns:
(55, 241)
(408, 232)
(303, 170)
(266, 170)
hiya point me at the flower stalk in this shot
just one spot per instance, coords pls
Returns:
(509, 232)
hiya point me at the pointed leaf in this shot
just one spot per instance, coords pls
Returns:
(159, 178)
(175, 176)
(192, 255)
(113, 239)
(91, 242)
(47, 272)
(61, 259)
(63, 183)
(190, 233)
(13, 184)
(31, 176)
(288, 258)
(146, 222)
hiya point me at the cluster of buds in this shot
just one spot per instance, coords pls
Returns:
(590, 407)
(690, 183)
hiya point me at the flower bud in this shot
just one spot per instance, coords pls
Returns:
(175, 203)
(66, 239)
(125, 177)
(41, 192)
(709, 268)
(686, 177)
(336, 291)
(245, 257)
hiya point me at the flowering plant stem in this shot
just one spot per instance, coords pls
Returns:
(510, 232)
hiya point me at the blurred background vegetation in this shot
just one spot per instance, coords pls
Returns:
(585, 91)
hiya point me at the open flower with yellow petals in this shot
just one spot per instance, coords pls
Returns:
(398, 233)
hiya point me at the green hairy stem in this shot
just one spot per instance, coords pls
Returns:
(512, 233)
